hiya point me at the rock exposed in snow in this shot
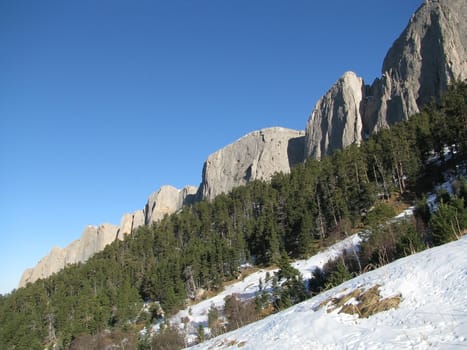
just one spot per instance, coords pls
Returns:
(258, 155)
(431, 313)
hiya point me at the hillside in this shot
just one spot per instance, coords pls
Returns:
(194, 253)
(248, 287)
(196, 263)
(428, 56)
(431, 313)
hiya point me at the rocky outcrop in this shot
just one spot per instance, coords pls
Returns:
(257, 155)
(167, 201)
(430, 54)
(94, 238)
(336, 119)
(130, 222)
(48, 265)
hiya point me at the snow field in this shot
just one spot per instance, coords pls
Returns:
(431, 315)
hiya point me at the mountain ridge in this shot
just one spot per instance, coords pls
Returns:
(345, 115)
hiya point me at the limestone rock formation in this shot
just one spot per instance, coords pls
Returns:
(336, 121)
(93, 240)
(47, 266)
(167, 201)
(430, 54)
(130, 222)
(258, 155)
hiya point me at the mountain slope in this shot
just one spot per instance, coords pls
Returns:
(248, 287)
(431, 314)
(429, 54)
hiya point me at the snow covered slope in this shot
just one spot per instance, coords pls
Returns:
(248, 287)
(432, 313)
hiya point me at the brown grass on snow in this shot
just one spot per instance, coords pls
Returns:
(367, 302)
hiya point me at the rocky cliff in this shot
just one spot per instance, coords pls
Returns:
(336, 119)
(166, 200)
(428, 55)
(93, 240)
(257, 155)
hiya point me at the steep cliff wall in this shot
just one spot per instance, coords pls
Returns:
(336, 119)
(257, 155)
(430, 54)
(166, 200)
(92, 240)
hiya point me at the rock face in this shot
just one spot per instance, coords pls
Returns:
(336, 120)
(257, 155)
(48, 265)
(430, 54)
(167, 201)
(94, 239)
(130, 222)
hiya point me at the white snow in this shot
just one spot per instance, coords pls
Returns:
(249, 286)
(405, 213)
(431, 315)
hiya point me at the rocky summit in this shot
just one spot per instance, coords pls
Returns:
(429, 55)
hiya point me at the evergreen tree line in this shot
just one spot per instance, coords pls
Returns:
(205, 244)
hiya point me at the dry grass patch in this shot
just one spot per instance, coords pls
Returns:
(367, 302)
(223, 343)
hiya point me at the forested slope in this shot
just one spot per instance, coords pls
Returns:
(204, 245)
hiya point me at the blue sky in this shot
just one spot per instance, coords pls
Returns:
(102, 102)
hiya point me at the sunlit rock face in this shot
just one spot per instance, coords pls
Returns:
(429, 55)
(257, 155)
(94, 239)
(336, 120)
(166, 201)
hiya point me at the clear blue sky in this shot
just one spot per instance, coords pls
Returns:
(102, 102)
